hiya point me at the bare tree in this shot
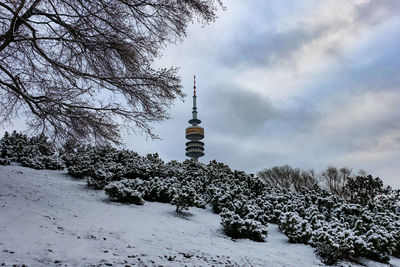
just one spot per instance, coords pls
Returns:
(82, 69)
(288, 178)
(278, 176)
(335, 180)
(303, 179)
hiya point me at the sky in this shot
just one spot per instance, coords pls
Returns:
(307, 83)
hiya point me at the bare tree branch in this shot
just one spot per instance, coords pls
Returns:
(83, 69)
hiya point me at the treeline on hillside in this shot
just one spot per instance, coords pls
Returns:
(359, 220)
(360, 188)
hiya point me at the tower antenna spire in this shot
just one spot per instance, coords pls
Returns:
(194, 85)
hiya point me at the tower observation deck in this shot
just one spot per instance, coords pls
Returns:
(194, 148)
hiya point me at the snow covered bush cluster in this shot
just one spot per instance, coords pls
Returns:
(35, 152)
(130, 178)
(237, 227)
(338, 229)
(125, 191)
(101, 165)
(363, 220)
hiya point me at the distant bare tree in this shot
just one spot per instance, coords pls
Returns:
(82, 69)
(278, 176)
(304, 179)
(288, 178)
(335, 180)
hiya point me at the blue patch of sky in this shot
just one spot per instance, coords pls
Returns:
(373, 65)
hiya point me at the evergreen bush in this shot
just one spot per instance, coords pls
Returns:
(125, 191)
(237, 227)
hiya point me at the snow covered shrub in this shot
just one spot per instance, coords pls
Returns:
(294, 227)
(111, 165)
(380, 244)
(161, 190)
(396, 235)
(35, 163)
(98, 177)
(43, 162)
(237, 227)
(53, 163)
(389, 201)
(96, 164)
(251, 210)
(126, 190)
(154, 166)
(200, 201)
(144, 168)
(329, 253)
(12, 145)
(78, 165)
(364, 189)
(38, 145)
(221, 198)
(76, 156)
(184, 198)
(5, 161)
(35, 152)
(392, 224)
(232, 195)
(333, 242)
(273, 203)
(79, 171)
(350, 231)
(314, 216)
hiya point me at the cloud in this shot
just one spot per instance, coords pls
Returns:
(236, 112)
(374, 12)
(281, 61)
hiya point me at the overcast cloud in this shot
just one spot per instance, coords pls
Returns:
(309, 84)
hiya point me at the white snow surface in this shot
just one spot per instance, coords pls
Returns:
(48, 218)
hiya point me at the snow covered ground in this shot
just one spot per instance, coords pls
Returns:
(48, 218)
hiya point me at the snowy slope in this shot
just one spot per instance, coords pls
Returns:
(48, 218)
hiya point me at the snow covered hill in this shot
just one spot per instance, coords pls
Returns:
(48, 218)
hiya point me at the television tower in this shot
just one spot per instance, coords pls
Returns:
(194, 148)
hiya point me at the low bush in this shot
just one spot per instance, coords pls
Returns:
(43, 162)
(34, 152)
(236, 227)
(297, 229)
(125, 191)
(5, 161)
(184, 198)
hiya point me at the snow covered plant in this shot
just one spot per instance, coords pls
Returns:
(237, 227)
(159, 189)
(297, 229)
(184, 198)
(35, 152)
(12, 145)
(17, 145)
(41, 162)
(5, 161)
(102, 164)
(125, 191)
